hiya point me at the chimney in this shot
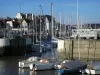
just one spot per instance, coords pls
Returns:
(26, 16)
(32, 16)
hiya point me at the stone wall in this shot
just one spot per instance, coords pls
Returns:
(89, 49)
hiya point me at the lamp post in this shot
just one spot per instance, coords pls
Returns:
(20, 6)
(20, 18)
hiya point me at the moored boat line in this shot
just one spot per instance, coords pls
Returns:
(62, 67)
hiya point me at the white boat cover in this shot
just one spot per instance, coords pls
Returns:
(95, 65)
(32, 59)
(73, 64)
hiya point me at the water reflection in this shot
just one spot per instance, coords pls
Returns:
(28, 72)
(24, 71)
(9, 66)
(47, 72)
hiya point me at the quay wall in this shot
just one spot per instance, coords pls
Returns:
(89, 49)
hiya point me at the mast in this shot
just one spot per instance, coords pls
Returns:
(65, 35)
(33, 29)
(40, 30)
(65, 24)
(71, 23)
(78, 30)
(81, 24)
(68, 26)
(52, 31)
(60, 24)
(52, 35)
(36, 29)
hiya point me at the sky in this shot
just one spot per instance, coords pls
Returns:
(89, 10)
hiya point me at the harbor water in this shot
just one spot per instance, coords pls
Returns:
(9, 66)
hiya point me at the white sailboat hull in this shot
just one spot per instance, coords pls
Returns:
(43, 66)
(90, 71)
(26, 63)
(94, 68)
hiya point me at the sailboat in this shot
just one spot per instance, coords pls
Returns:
(93, 66)
(73, 66)
(70, 66)
(31, 60)
(44, 64)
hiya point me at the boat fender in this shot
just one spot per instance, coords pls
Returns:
(65, 61)
(33, 67)
(43, 61)
(60, 71)
(63, 66)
